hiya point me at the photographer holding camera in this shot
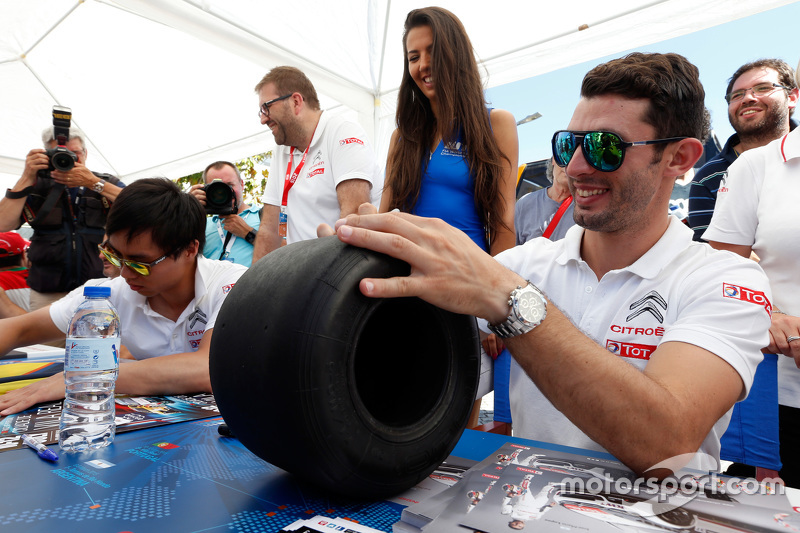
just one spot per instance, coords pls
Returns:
(231, 231)
(66, 205)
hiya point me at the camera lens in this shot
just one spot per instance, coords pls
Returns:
(220, 198)
(218, 195)
(63, 160)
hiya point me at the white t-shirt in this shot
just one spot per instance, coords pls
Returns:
(148, 334)
(757, 207)
(339, 151)
(679, 290)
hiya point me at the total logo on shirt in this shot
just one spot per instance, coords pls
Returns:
(630, 349)
(642, 324)
(737, 292)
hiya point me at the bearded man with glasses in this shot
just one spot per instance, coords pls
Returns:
(323, 166)
(761, 97)
(627, 336)
(167, 295)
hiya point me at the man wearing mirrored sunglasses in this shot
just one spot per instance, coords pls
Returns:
(627, 336)
(762, 96)
(167, 295)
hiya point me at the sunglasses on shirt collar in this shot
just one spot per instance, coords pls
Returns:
(603, 150)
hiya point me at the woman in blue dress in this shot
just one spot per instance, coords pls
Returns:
(450, 157)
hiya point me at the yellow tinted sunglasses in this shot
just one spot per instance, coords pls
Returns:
(139, 267)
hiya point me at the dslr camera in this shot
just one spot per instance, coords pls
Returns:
(60, 157)
(220, 199)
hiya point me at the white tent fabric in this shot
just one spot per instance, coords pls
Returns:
(163, 87)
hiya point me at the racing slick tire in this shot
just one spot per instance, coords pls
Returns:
(361, 396)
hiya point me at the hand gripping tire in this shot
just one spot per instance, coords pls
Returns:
(361, 396)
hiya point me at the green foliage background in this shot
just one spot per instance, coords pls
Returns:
(254, 179)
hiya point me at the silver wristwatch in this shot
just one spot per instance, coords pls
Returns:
(98, 187)
(528, 309)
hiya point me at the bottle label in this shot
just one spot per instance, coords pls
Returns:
(92, 354)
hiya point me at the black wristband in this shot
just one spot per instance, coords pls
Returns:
(251, 236)
(16, 195)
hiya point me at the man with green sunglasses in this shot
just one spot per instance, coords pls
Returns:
(167, 295)
(627, 336)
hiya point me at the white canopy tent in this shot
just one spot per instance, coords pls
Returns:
(163, 87)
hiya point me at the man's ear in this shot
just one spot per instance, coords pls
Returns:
(793, 96)
(298, 102)
(682, 155)
(193, 248)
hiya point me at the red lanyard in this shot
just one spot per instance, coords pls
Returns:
(291, 177)
(553, 223)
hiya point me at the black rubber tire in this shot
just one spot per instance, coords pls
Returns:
(361, 396)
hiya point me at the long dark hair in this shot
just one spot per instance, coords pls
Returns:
(462, 110)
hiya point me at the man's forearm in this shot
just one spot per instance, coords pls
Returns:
(10, 213)
(35, 327)
(111, 191)
(267, 238)
(639, 418)
(351, 194)
(266, 242)
(181, 373)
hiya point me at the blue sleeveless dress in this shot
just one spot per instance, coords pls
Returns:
(447, 192)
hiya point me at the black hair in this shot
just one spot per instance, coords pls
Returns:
(174, 218)
(669, 81)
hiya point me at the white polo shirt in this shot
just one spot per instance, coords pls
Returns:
(338, 152)
(148, 334)
(757, 207)
(679, 290)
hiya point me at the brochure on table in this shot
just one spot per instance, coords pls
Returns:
(132, 412)
(521, 487)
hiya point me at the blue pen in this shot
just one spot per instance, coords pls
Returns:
(43, 451)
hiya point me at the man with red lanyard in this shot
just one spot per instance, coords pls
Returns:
(546, 212)
(322, 169)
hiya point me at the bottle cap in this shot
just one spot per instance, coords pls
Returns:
(97, 292)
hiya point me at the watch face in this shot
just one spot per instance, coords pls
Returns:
(530, 307)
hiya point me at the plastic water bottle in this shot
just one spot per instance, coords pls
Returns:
(91, 364)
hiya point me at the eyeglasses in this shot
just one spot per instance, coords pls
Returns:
(762, 89)
(139, 267)
(264, 111)
(603, 150)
